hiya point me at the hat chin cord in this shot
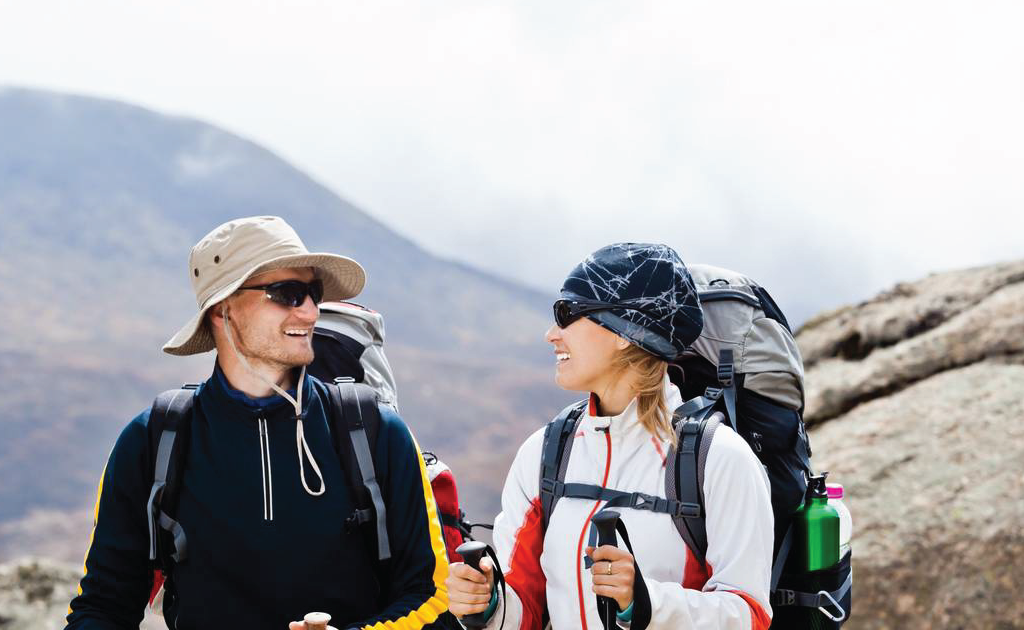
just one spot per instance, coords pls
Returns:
(300, 437)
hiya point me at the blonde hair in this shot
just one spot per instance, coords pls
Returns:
(652, 408)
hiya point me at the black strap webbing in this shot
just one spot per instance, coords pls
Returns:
(822, 600)
(780, 558)
(352, 434)
(168, 430)
(727, 378)
(557, 445)
(618, 498)
(693, 528)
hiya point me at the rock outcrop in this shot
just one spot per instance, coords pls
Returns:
(917, 402)
(859, 353)
(35, 592)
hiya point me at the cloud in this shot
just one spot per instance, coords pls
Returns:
(829, 149)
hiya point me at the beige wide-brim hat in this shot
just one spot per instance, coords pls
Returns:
(237, 250)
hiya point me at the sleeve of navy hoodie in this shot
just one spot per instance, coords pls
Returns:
(115, 588)
(419, 566)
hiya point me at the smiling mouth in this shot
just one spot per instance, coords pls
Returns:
(297, 332)
(561, 357)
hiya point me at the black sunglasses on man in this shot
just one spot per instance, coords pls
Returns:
(291, 293)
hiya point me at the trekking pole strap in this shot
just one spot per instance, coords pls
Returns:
(641, 596)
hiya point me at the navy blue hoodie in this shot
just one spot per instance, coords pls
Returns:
(263, 551)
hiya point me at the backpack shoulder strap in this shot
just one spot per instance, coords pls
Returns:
(554, 457)
(168, 430)
(355, 422)
(684, 480)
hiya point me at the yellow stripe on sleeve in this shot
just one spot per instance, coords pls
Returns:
(436, 604)
(92, 532)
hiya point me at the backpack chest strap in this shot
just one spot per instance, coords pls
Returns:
(618, 498)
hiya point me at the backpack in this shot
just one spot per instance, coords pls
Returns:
(348, 340)
(349, 357)
(744, 370)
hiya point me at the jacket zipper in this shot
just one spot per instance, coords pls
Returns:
(583, 533)
(268, 482)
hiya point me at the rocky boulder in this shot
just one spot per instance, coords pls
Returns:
(34, 593)
(917, 402)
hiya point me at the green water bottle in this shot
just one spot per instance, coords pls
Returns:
(816, 529)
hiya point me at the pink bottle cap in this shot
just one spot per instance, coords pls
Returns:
(835, 490)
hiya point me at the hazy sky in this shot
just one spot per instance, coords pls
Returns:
(828, 148)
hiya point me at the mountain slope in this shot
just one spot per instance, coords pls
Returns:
(100, 202)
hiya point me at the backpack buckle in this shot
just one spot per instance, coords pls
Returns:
(359, 517)
(552, 486)
(725, 374)
(713, 393)
(641, 501)
(784, 597)
(725, 371)
(688, 510)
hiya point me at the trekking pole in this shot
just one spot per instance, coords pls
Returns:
(605, 521)
(318, 621)
(472, 552)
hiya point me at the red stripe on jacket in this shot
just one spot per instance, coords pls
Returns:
(586, 523)
(759, 619)
(524, 572)
(695, 576)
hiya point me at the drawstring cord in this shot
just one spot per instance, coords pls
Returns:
(300, 438)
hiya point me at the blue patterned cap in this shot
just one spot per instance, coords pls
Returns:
(665, 317)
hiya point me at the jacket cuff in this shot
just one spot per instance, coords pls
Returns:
(626, 615)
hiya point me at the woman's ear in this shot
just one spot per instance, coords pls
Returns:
(621, 343)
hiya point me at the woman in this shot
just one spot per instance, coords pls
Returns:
(626, 311)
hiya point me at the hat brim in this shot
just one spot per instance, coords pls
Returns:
(343, 279)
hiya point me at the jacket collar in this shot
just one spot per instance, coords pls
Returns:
(220, 398)
(627, 423)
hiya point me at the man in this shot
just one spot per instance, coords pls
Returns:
(264, 496)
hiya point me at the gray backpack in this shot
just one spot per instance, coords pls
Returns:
(357, 349)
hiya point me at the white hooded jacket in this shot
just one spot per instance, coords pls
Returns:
(545, 570)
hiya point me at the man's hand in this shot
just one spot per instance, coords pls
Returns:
(301, 625)
(613, 574)
(469, 590)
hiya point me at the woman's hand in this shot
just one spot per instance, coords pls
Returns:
(469, 590)
(613, 574)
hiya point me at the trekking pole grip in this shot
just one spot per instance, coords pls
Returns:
(472, 552)
(605, 521)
